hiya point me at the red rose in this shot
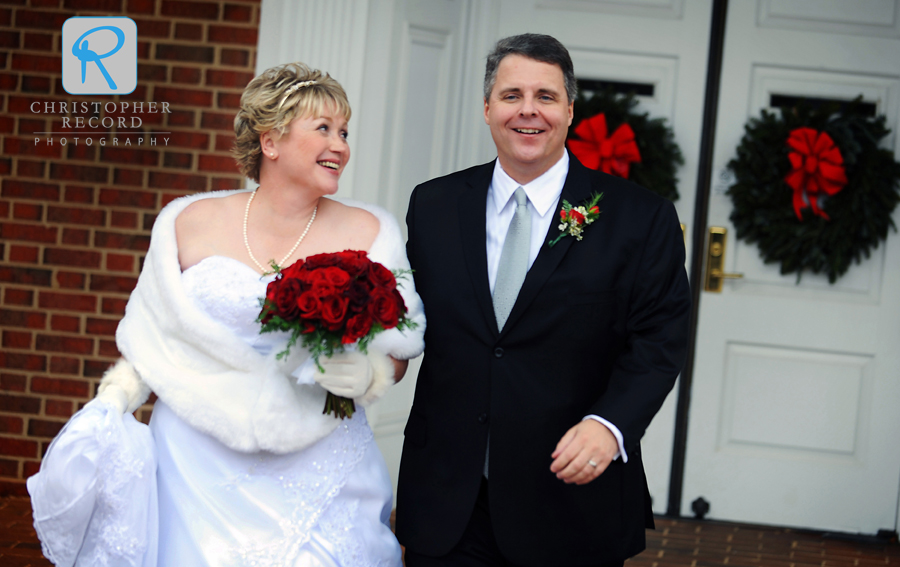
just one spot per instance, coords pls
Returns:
(578, 217)
(381, 277)
(304, 276)
(357, 327)
(383, 308)
(271, 289)
(322, 289)
(334, 308)
(309, 305)
(336, 277)
(286, 299)
(401, 305)
(292, 271)
(269, 307)
(321, 261)
(595, 210)
(310, 277)
(308, 328)
(358, 294)
(355, 262)
(562, 215)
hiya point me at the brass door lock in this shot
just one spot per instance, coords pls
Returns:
(715, 260)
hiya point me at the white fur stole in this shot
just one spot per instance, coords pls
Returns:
(218, 383)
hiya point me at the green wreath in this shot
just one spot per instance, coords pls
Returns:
(607, 134)
(821, 202)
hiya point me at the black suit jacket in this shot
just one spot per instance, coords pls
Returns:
(599, 327)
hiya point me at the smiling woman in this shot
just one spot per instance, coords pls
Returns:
(273, 100)
(291, 137)
(314, 152)
(249, 470)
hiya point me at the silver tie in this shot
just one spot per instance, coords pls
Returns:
(511, 271)
(513, 260)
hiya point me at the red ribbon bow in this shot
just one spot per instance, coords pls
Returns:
(817, 166)
(612, 154)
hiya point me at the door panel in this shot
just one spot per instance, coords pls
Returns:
(793, 415)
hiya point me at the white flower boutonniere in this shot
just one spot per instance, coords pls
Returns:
(574, 219)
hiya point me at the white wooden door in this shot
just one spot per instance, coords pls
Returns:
(661, 43)
(795, 410)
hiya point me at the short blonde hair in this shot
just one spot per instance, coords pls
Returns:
(275, 98)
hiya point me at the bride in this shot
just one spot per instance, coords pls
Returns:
(249, 470)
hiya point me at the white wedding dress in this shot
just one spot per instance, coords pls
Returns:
(238, 466)
(327, 505)
(108, 494)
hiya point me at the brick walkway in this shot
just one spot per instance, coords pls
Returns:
(693, 543)
(675, 543)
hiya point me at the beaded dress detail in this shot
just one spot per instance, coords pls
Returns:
(94, 500)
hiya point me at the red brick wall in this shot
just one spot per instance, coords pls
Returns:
(75, 220)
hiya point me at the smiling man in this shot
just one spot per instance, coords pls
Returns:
(544, 361)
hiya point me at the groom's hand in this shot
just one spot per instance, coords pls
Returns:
(589, 441)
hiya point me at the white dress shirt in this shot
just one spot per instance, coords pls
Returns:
(543, 195)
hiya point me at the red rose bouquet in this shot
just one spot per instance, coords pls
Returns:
(332, 300)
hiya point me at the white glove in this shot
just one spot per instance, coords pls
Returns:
(347, 374)
(114, 395)
(122, 387)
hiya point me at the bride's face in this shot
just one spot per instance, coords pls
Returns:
(314, 151)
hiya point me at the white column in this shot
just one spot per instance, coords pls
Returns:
(325, 34)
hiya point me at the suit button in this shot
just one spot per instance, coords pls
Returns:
(498, 352)
(483, 418)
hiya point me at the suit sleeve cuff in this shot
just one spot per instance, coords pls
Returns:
(616, 433)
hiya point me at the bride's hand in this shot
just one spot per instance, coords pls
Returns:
(115, 396)
(122, 387)
(347, 374)
(363, 377)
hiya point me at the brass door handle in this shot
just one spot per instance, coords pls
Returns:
(726, 275)
(715, 260)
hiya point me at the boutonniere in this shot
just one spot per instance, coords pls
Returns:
(574, 219)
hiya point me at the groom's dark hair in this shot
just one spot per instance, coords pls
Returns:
(535, 46)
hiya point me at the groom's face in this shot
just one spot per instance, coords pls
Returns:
(529, 114)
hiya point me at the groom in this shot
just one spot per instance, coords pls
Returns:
(543, 364)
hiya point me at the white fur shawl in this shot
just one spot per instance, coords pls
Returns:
(215, 381)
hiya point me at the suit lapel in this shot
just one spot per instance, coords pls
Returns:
(472, 210)
(576, 190)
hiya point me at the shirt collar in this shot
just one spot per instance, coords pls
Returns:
(543, 191)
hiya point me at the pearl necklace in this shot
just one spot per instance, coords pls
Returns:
(288, 255)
